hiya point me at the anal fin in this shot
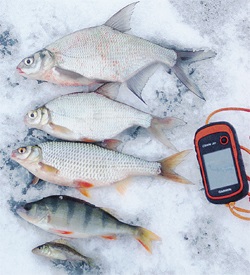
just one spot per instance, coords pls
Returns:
(121, 186)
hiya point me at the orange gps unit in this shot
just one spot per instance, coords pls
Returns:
(221, 165)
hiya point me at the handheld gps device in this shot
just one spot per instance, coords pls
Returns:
(221, 165)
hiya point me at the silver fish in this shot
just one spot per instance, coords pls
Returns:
(94, 117)
(83, 165)
(74, 218)
(107, 54)
(60, 250)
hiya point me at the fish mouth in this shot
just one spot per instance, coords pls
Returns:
(22, 212)
(20, 71)
(13, 154)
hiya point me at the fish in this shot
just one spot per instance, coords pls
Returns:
(60, 250)
(85, 165)
(107, 53)
(74, 218)
(93, 117)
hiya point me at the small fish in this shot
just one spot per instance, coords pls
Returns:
(74, 218)
(60, 250)
(107, 54)
(94, 117)
(84, 165)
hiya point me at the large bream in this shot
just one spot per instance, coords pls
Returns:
(107, 54)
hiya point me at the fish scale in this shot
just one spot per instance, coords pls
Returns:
(94, 164)
(94, 116)
(104, 53)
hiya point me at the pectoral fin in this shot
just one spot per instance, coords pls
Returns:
(71, 78)
(121, 20)
(48, 168)
(60, 129)
(35, 180)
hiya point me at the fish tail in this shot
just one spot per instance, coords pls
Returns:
(186, 58)
(145, 237)
(160, 125)
(169, 163)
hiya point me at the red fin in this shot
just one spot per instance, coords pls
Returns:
(83, 184)
(111, 237)
(84, 192)
(88, 140)
(62, 232)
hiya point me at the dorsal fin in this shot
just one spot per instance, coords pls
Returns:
(121, 20)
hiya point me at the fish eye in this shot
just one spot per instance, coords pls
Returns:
(22, 150)
(32, 114)
(27, 206)
(28, 61)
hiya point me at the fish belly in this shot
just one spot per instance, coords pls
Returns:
(90, 163)
(102, 53)
(93, 116)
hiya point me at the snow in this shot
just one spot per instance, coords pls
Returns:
(197, 237)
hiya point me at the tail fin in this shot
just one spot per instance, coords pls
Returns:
(159, 125)
(168, 164)
(186, 58)
(146, 237)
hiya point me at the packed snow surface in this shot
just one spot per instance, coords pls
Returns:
(197, 236)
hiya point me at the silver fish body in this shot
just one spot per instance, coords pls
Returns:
(78, 164)
(86, 116)
(107, 54)
(59, 250)
(74, 218)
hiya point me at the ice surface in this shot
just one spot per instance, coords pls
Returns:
(197, 237)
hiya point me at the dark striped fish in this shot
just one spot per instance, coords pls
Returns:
(74, 218)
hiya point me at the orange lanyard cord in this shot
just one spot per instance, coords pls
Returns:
(226, 109)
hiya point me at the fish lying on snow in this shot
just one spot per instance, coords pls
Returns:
(94, 117)
(107, 54)
(74, 218)
(60, 250)
(84, 165)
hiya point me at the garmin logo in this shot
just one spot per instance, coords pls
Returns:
(224, 190)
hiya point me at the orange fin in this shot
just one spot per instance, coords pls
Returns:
(121, 186)
(168, 164)
(111, 144)
(35, 180)
(83, 184)
(89, 140)
(48, 168)
(109, 237)
(62, 232)
(60, 129)
(84, 192)
(145, 237)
